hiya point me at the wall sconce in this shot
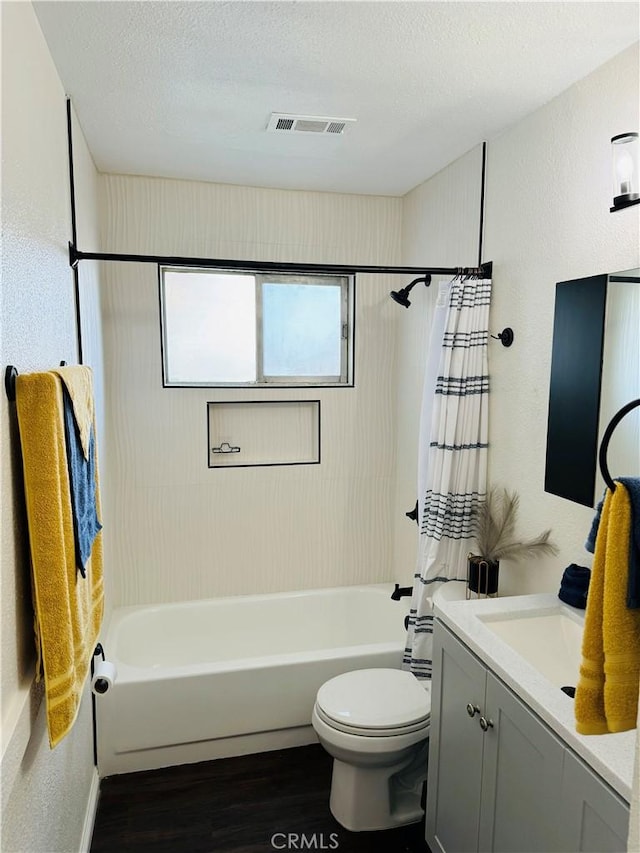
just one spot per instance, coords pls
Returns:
(625, 163)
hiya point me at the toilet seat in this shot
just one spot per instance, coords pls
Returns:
(375, 703)
(369, 732)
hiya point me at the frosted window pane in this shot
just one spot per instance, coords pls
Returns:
(302, 328)
(210, 327)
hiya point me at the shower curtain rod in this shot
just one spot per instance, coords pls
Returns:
(75, 256)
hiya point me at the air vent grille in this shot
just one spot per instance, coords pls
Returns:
(285, 123)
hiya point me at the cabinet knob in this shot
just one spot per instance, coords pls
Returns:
(472, 710)
(485, 724)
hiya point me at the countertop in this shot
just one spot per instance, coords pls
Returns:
(611, 755)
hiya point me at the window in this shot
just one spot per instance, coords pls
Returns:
(227, 327)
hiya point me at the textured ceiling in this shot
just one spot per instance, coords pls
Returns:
(185, 89)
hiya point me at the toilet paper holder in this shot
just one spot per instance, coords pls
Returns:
(100, 685)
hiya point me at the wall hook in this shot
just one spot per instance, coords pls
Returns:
(506, 336)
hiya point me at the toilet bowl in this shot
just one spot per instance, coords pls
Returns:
(375, 724)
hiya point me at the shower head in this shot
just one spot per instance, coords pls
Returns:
(402, 296)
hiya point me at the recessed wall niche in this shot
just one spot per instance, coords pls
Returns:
(269, 432)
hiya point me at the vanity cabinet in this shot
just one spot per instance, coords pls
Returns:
(593, 816)
(499, 778)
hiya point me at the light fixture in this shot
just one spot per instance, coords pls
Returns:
(625, 170)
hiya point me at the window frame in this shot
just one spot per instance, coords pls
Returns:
(347, 284)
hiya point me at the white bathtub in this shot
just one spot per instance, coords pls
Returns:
(231, 676)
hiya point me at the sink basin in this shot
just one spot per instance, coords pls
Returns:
(550, 640)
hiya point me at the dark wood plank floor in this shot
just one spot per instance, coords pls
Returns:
(251, 804)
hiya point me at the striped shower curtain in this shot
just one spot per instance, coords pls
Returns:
(452, 475)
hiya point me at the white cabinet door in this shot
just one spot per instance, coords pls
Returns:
(521, 777)
(455, 747)
(594, 818)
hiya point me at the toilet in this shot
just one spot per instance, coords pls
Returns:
(375, 724)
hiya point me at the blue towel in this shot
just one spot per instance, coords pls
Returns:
(82, 480)
(574, 586)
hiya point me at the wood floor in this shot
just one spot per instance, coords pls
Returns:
(252, 804)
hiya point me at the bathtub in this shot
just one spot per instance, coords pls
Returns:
(231, 676)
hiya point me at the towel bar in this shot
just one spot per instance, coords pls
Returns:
(604, 445)
(10, 376)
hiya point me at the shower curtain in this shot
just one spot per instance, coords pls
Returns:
(452, 464)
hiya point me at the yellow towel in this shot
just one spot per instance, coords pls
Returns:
(607, 692)
(68, 608)
(78, 381)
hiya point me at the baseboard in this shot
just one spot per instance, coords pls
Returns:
(90, 814)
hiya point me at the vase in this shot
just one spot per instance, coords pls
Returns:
(482, 575)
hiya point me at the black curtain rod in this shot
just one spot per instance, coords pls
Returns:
(482, 183)
(74, 233)
(75, 256)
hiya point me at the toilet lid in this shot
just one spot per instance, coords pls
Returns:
(380, 699)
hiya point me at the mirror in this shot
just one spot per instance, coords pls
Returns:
(595, 370)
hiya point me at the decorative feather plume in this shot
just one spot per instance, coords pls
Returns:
(495, 530)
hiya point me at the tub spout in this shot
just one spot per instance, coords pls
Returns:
(401, 591)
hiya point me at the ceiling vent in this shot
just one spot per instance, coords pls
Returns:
(286, 123)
